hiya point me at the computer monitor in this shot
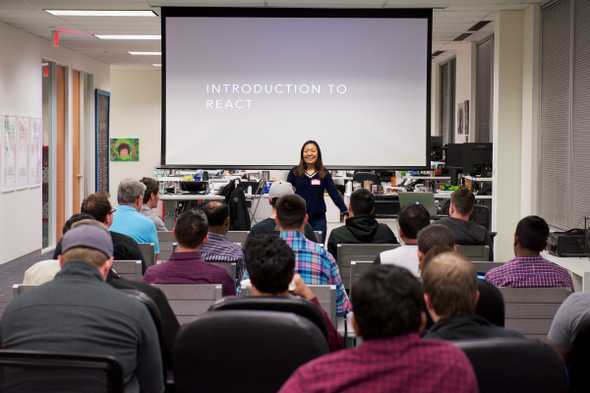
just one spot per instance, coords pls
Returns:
(473, 158)
(425, 199)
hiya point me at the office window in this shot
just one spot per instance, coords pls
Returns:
(447, 101)
(484, 90)
(564, 198)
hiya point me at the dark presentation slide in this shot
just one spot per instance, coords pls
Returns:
(248, 91)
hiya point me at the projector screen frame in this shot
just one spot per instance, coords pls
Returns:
(268, 12)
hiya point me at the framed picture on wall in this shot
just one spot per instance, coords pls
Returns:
(102, 102)
(124, 149)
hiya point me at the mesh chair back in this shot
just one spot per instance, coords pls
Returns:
(230, 268)
(147, 250)
(475, 253)
(357, 269)
(238, 236)
(258, 351)
(578, 360)
(511, 365)
(484, 267)
(188, 301)
(358, 252)
(128, 269)
(531, 310)
(295, 305)
(481, 215)
(326, 295)
(167, 240)
(34, 371)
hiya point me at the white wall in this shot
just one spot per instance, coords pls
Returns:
(135, 112)
(21, 95)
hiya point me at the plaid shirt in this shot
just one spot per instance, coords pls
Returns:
(530, 272)
(316, 266)
(398, 364)
(220, 249)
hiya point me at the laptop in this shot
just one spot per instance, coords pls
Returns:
(426, 199)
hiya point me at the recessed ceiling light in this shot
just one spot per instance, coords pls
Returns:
(128, 36)
(136, 53)
(101, 13)
(157, 65)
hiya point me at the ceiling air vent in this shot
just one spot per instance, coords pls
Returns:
(462, 37)
(479, 25)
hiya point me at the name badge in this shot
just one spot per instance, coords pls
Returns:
(315, 182)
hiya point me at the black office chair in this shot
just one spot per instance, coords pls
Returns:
(578, 361)
(512, 365)
(36, 371)
(481, 215)
(491, 303)
(237, 351)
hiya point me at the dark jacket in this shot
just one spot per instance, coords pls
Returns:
(238, 211)
(468, 233)
(360, 229)
(268, 226)
(312, 190)
(468, 327)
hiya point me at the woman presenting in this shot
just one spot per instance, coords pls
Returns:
(310, 179)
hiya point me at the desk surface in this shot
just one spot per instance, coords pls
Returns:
(576, 265)
(191, 197)
(440, 178)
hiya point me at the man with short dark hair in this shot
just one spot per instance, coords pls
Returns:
(315, 265)
(128, 220)
(78, 312)
(466, 232)
(528, 269)
(271, 267)
(218, 247)
(388, 315)
(361, 225)
(411, 221)
(434, 235)
(151, 197)
(451, 295)
(185, 265)
(268, 225)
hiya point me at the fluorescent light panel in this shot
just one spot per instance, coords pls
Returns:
(136, 53)
(157, 65)
(101, 13)
(128, 36)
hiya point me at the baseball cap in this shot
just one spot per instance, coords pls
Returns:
(280, 188)
(88, 236)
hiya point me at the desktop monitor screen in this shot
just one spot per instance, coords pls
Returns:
(245, 87)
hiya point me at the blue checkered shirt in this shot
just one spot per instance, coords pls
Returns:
(316, 266)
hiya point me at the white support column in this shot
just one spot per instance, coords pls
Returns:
(507, 129)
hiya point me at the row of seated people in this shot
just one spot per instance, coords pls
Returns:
(77, 313)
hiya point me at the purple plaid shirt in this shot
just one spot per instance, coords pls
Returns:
(530, 272)
(220, 249)
(317, 266)
(399, 364)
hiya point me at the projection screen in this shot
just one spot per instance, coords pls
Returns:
(245, 87)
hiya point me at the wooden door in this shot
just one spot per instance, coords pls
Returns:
(60, 167)
(76, 172)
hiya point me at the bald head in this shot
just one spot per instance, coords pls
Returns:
(450, 286)
(217, 213)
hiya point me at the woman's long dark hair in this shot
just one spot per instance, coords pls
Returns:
(319, 165)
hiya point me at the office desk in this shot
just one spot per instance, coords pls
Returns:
(578, 267)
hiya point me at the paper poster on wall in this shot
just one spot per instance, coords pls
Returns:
(23, 127)
(35, 153)
(124, 149)
(9, 153)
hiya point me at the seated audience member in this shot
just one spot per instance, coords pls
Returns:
(572, 316)
(185, 265)
(218, 247)
(411, 220)
(271, 266)
(78, 312)
(436, 239)
(451, 294)
(151, 196)
(66, 227)
(387, 314)
(361, 226)
(128, 220)
(268, 225)
(315, 265)
(466, 232)
(528, 269)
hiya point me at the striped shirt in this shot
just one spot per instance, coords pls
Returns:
(220, 249)
(316, 266)
(530, 272)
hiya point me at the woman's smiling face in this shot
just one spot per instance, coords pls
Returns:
(310, 154)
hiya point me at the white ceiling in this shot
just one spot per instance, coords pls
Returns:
(451, 18)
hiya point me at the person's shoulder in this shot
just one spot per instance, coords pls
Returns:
(265, 226)
(339, 231)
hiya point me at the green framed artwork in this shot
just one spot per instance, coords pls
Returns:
(124, 149)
